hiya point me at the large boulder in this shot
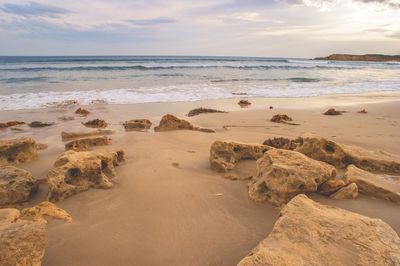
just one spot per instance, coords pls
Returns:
(75, 172)
(16, 185)
(85, 144)
(282, 174)
(17, 150)
(375, 185)
(312, 234)
(224, 155)
(169, 122)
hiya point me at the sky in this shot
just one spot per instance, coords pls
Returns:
(279, 28)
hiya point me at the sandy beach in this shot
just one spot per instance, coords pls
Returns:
(168, 207)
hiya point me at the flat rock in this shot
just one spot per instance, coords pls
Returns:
(312, 234)
(375, 185)
(202, 110)
(75, 172)
(348, 192)
(169, 122)
(40, 124)
(137, 125)
(95, 123)
(17, 150)
(65, 136)
(282, 174)
(45, 210)
(16, 185)
(224, 155)
(10, 124)
(85, 144)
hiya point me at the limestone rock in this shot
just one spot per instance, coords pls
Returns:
(333, 111)
(16, 185)
(17, 150)
(75, 172)
(82, 111)
(40, 124)
(312, 234)
(281, 143)
(85, 144)
(202, 110)
(77, 135)
(10, 124)
(224, 155)
(9, 215)
(44, 210)
(348, 192)
(169, 122)
(96, 123)
(331, 186)
(282, 174)
(137, 124)
(379, 186)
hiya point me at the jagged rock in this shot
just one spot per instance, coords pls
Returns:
(10, 124)
(281, 118)
(202, 110)
(379, 186)
(85, 144)
(137, 124)
(244, 103)
(224, 155)
(169, 122)
(44, 210)
(17, 150)
(348, 192)
(16, 185)
(312, 234)
(333, 111)
(82, 111)
(282, 174)
(363, 111)
(281, 143)
(96, 123)
(75, 172)
(40, 124)
(21, 242)
(77, 135)
(331, 186)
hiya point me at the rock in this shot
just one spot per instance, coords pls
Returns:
(85, 144)
(244, 103)
(202, 110)
(348, 192)
(77, 135)
(282, 174)
(66, 118)
(224, 155)
(331, 186)
(312, 234)
(281, 118)
(22, 242)
(379, 186)
(366, 57)
(44, 210)
(281, 143)
(170, 122)
(16, 185)
(10, 124)
(363, 111)
(332, 111)
(41, 146)
(9, 215)
(137, 125)
(40, 124)
(17, 150)
(95, 123)
(271, 107)
(82, 111)
(75, 172)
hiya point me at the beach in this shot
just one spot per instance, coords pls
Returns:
(167, 206)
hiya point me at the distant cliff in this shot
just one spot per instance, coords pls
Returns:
(366, 57)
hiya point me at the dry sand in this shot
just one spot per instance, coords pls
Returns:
(161, 213)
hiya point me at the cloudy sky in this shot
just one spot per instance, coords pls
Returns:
(287, 28)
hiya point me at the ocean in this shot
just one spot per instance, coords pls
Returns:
(33, 82)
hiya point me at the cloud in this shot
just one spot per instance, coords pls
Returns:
(32, 9)
(377, 30)
(395, 35)
(151, 22)
(325, 3)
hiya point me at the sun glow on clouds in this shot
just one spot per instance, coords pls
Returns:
(299, 28)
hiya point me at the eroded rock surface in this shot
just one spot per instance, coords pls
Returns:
(85, 144)
(75, 172)
(169, 122)
(224, 155)
(137, 125)
(312, 234)
(77, 135)
(281, 143)
(202, 110)
(17, 150)
(96, 123)
(282, 174)
(348, 192)
(16, 185)
(45, 210)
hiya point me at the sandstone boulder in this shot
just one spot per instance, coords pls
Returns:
(96, 123)
(348, 192)
(312, 234)
(282, 174)
(44, 210)
(169, 122)
(17, 150)
(77, 135)
(75, 172)
(281, 118)
(9, 215)
(16, 185)
(85, 144)
(137, 125)
(331, 186)
(10, 124)
(379, 186)
(82, 111)
(224, 155)
(281, 143)
(202, 110)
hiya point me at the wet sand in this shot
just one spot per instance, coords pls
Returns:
(159, 213)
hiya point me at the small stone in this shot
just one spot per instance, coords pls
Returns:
(348, 192)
